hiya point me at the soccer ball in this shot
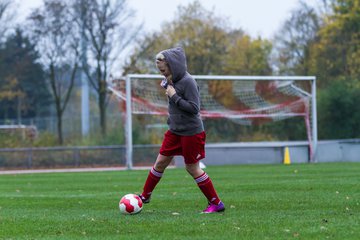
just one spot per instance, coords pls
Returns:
(130, 204)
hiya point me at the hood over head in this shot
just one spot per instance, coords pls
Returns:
(176, 59)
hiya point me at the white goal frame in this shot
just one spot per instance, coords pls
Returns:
(128, 97)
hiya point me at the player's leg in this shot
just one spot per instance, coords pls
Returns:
(207, 188)
(170, 147)
(154, 176)
(193, 151)
(162, 162)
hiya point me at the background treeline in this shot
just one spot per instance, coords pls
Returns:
(43, 60)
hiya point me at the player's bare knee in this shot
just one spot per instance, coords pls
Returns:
(162, 162)
(194, 170)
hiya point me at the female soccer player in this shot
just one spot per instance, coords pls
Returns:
(186, 135)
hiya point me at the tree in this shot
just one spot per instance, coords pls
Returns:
(5, 18)
(337, 53)
(198, 31)
(202, 34)
(109, 31)
(339, 112)
(54, 31)
(335, 59)
(247, 56)
(209, 42)
(23, 92)
(292, 43)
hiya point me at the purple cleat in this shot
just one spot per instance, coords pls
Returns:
(211, 208)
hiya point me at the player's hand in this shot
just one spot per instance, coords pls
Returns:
(170, 91)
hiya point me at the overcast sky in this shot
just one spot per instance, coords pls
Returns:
(257, 17)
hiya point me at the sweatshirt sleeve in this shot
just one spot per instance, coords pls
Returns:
(191, 101)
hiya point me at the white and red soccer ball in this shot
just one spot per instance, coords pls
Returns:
(130, 204)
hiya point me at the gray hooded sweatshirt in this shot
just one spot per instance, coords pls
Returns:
(184, 106)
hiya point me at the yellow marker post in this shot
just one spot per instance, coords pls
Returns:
(287, 160)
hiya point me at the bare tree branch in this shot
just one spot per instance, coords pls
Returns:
(5, 17)
(58, 40)
(109, 31)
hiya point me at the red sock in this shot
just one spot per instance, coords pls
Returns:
(151, 181)
(205, 184)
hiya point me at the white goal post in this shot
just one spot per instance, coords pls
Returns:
(246, 100)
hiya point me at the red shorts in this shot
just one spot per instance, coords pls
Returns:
(192, 148)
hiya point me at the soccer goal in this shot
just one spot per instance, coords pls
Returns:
(243, 100)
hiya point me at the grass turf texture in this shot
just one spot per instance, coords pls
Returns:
(305, 201)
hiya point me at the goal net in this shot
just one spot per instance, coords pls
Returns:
(242, 100)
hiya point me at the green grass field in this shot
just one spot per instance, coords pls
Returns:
(299, 201)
